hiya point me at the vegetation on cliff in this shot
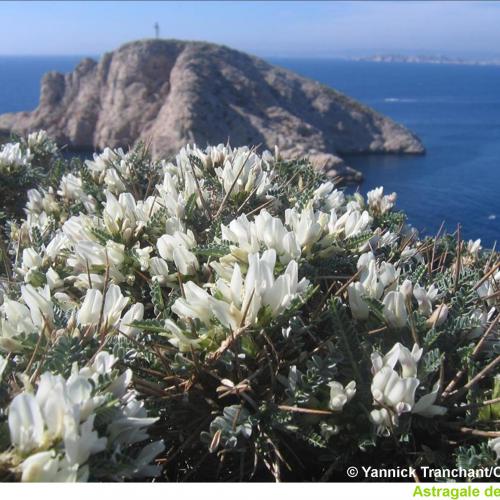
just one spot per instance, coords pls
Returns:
(234, 316)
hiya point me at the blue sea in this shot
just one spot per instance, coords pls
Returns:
(455, 110)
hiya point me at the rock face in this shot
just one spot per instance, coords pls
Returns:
(168, 93)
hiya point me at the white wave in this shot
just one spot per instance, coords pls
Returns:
(399, 99)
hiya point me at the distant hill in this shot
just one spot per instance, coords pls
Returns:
(170, 92)
(396, 58)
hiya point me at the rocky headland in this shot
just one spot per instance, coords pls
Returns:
(169, 92)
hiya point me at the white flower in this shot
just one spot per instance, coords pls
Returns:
(482, 317)
(375, 279)
(364, 261)
(71, 187)
(31, 259)
(305, 225)
(158, 269)
(354, 222)
(474, 247)
(394, 391)
(359, 307)
(185, 261)
(389, 275)
(378, 202)
(399, 353)
(489, 288)
(103, 363)
(120, 215)
(175, 247)
(53, 279)
(80, 443)
(114, 304)
(195, 304)
(406, 289)
(40, 140)
(330, 197)
(384, 420)
(370, 282)
(52, 399)
(35, 201)
(15, 321)
(395, 309)
(389, 389)
(339, 395)
(179, 339)
(388, 238)
(135, 313)
(409, 360)
(26, 423)
(104, 160)
(53, 435)
(145, 457)
(113, 181)
(56, 245)
(90, 311)
(277, 294)
(11, 155)
(143, 256)
(39, 302)
(91, 308)
(45, 467)
(494, 444)
(242, 232)
(266, 230)
(425, 298)
(244, 171)
(79, 228)
(425, 405)
(3, 364)
(439, 316)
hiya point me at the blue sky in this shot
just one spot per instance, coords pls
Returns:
(283, 28)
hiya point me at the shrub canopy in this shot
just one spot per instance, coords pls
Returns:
(233, 316)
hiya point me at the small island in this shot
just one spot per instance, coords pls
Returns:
(168, 93)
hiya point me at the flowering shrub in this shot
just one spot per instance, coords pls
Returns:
(231, 316)
(22, 166)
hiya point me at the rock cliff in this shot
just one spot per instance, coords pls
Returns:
(169, 92)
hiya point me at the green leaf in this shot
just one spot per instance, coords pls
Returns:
(149, 325)
(211, 250)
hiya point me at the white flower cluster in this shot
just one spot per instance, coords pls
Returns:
(16, 156)
(77, 257)
(379, 202)
(53, 430)
(40, 143)
(34, 314)
(340, 395)
(394, 392)
(237, 302)
(12, 157)
(243, 171)
(380, 281)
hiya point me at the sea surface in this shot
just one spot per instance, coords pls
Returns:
(455, 110)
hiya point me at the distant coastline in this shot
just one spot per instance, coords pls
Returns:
(397, 58)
